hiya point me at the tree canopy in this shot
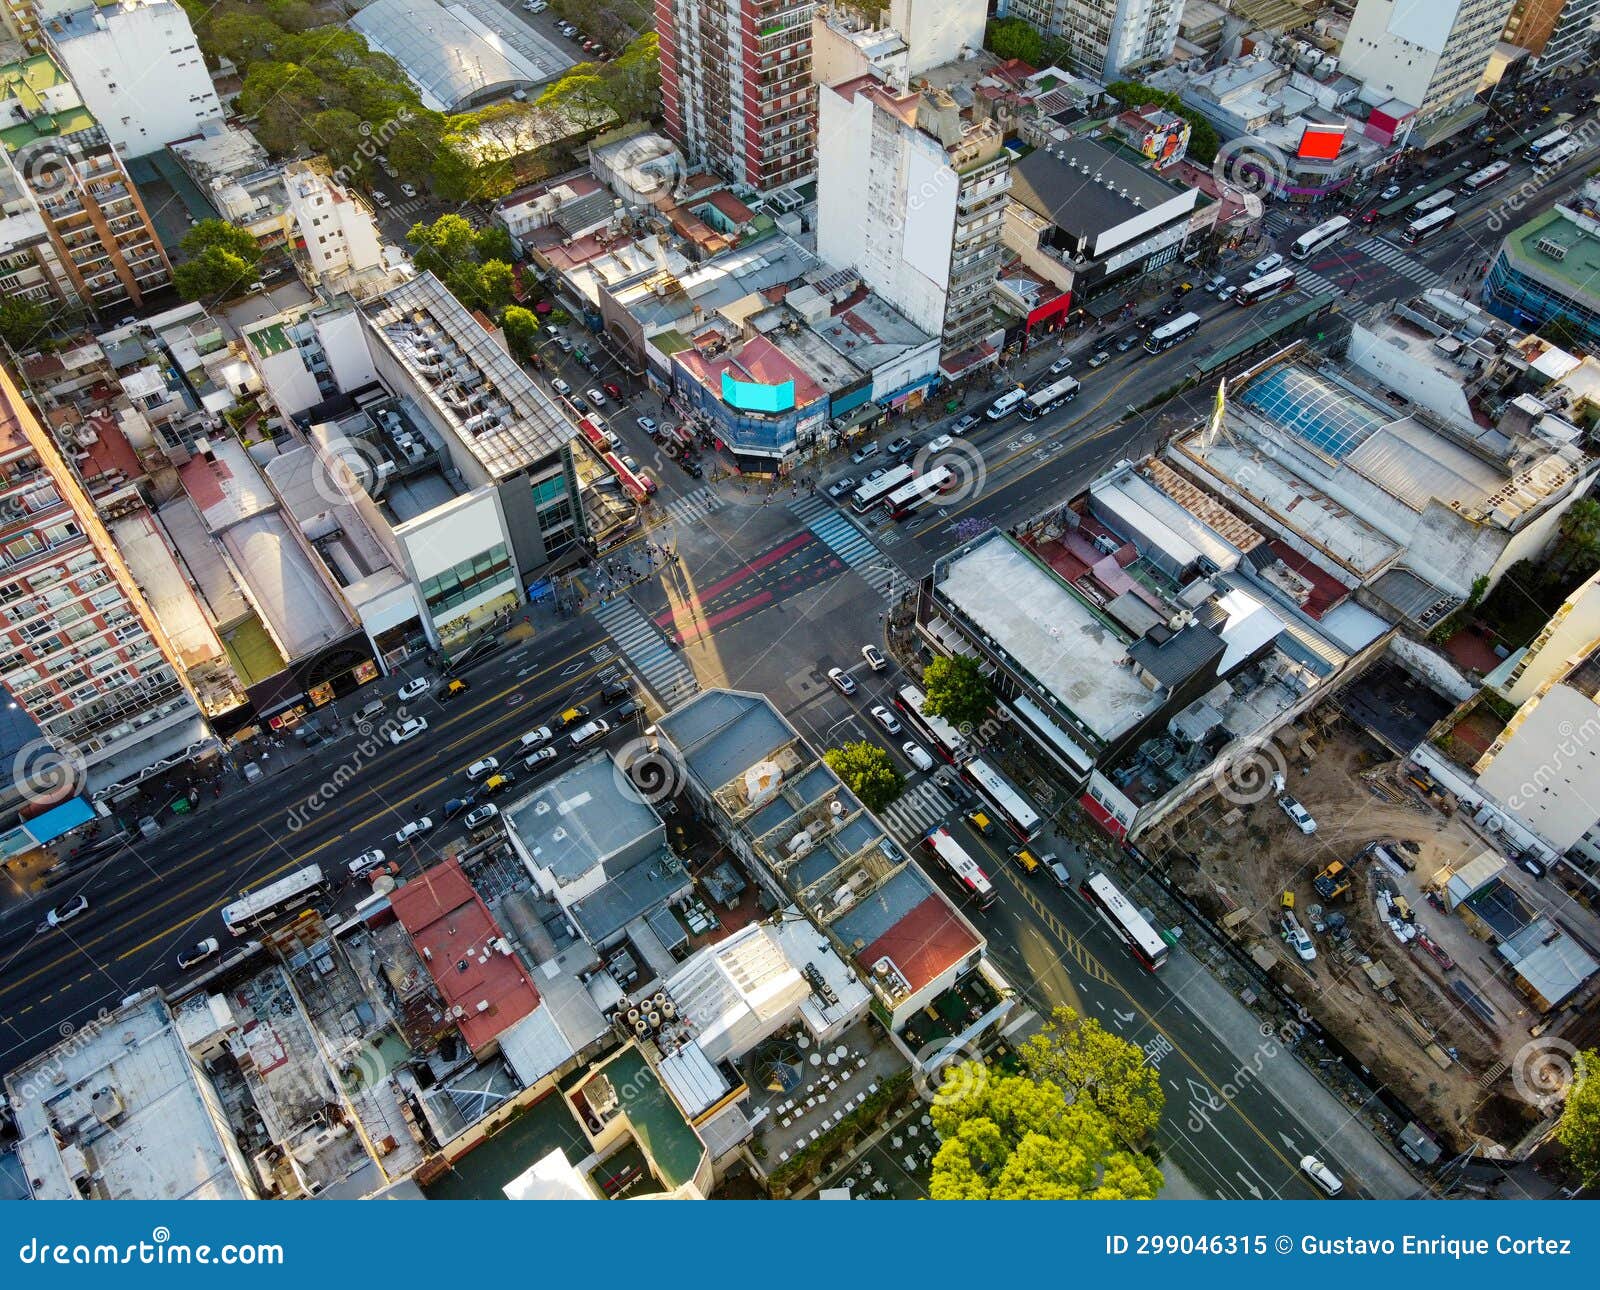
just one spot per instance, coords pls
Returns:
(23, 323)
(521, 327)
(1011, 1137)
(957, 691)
(1078, 1053)
(867, 772)
(1203, 140)
(466, 260)
(1579, 1129)
(1016, 38)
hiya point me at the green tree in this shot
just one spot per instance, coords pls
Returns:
(1079, 1054)
(218, 234)
(213, 275)
(246, 38)
(338, 133)
(1015, 38)
(495, 280)
(957, 691)
(445, 246)
(1579, 1129)
(867, 772)
(23, 323)
(1009, 1137)
(493, 243)
(521, 327)
(1203, 140)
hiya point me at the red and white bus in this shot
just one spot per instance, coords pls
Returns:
(944, 737)
(1118, 913)
(956, 864)
(1420, 230)
(1265, 287)
(1490, 174)
(870, 494)
(1008, 804)
(910, 498)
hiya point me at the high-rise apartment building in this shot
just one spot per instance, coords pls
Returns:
(911, 194)
(736, 86)
(1106, 37)
(1431, 56)
(1553, 31)
(63, 178)
(80, 648)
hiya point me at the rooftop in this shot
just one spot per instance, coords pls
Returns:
(870, 333)
(755, 361)
(478, 975)
(1088, 187)
(1561, 246)
(587, 816)
(1050, 632)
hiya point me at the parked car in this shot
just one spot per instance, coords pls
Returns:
(578, 402)
(408, 730)
(539, 758)
(692, 468)
(898, 447)
(864, 452)
(66, 912)
(1100, 359)
(966, 423)
(380, 200)
(535, 738)
(631, 465)
(840, 487)
(1059, 366)
(939, 443)
(597, 396)
(1389, 193)
(589, 731)
(411, 689)
(408, 833)
(365, 861)
(917, 755)
(198, 953)
(482, 768)
(478, 818)
(612, 388)
(874, 657)
(1320, 1174)
(886, 719)
(842, 681)
(648, 480)
(560, 386)
(408, 190)
(1059, 875)
(1298, 815)
(647, 424)
(535, 6)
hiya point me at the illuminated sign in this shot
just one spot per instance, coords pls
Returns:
(747, 396)
(1321, 142)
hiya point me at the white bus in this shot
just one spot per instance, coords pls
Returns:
(1490, 174)
(1420, 230)
(1169, 334)
(1049, 398)
(957, 864)
(1122, 918)
(945, 737)
(911, 497)
(1313, 240)
(1558, 156)
(1008, 804)
(269, 904)
(1264, 288)
(1546, 143)
(1006, 404)
(869, 495)
(1433, 201)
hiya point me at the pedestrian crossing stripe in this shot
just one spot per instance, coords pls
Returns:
(853, 546)
(696, 505)
(1386, 252)
(919, 809)
(1315, 283)
(668, 677)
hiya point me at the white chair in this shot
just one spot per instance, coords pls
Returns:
(861, 1063)
(786, 1122)
(872, 1088)
(782, 1156)
(814, 1133)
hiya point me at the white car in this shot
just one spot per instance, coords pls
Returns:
(1299, 940)
(1059, 874)
(560, 386)
(415, 829)
(63, 914)
(366, 861)
(408, 190)
(197, 953)
(483, 769)
(589, 730)
(874, 657)
(940, 443)
(535, 6)
(481, 816)
(597, 397)
(1267, 265)
(917, 755)
(1059, 366)
(412, 688)
(538, 758)
(1320, 1174)
(538, 737)
(886, 719)
(380, 200)
(410, 729)
(1298, 814)
(647, 424)
(1389, 193)
(842, 681)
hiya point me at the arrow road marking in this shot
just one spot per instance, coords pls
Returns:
(1248, 1185)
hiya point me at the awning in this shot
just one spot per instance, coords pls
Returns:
(859, 416)
(1108, 304)
(1449, 126)
(60, 819)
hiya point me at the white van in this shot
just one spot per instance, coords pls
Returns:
(590, 730)
(1006, 404)
(1320, 1174)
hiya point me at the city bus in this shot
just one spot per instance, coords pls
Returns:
(1558, 156)
(1546, 143)
(944, 737)
(269, 904)
(1049, 398)
(1420, 230)
(1312, 241)
(1169, 334)
(1265, 287)
(869, 495)
(911, 497)
(1433, 202)
(1006, 404)
(1008, 804)
(1490, 174)
(957, 864)
(1122, 918)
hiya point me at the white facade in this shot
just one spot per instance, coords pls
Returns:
(1106, 37)
(139, 69)
(1544, 765)
(936, 31)
(1429, 55)
(459, 558)
(340, 235)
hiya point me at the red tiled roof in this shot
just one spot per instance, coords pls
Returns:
(758, 361)
(1326, 590)
(455, 934)
(732, 207)
(927, 941)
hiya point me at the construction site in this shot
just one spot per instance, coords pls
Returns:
(1334, 905)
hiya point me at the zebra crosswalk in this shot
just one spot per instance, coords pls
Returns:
(920, 808)
(694, 506)
(668, 676)
(1275, 223)
(1386, 252)
(854, 547)
(1313, 283)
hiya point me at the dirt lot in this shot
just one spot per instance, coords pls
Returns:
(1247, 856)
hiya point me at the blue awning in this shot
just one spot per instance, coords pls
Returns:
(58, 820)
